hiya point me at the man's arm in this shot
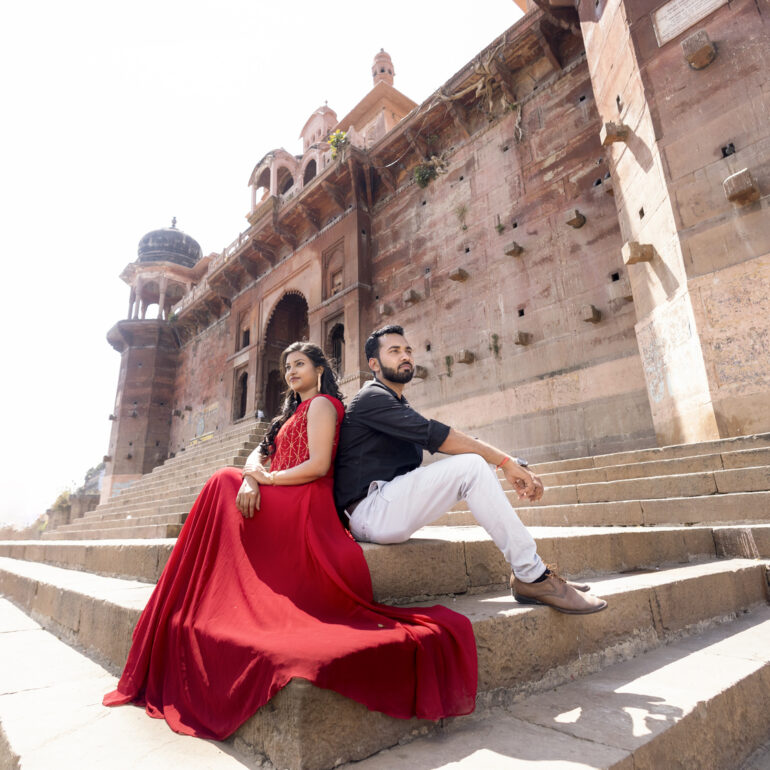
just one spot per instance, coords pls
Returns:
(523, 480)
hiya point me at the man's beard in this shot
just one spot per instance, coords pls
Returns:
(396, 375)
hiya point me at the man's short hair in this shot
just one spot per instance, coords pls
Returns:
(372, 345)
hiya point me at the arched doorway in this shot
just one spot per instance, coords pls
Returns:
(287, 324)
(241, 395)
(337, 349)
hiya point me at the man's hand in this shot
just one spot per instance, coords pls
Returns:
(247, 500)
(524, 482)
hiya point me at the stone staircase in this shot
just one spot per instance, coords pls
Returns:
(157, 504)
(675, 673)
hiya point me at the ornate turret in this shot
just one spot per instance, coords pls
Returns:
(163, 271)
(382, 68)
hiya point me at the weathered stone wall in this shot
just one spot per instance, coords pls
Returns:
(577, 387)
(704, 347)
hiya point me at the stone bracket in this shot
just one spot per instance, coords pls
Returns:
(464, 357)
(698, 50)
(741, 188)
(513, 249)
(576, 219)
(590, 314)
(458, 274)
(613, 132)
(634, 252)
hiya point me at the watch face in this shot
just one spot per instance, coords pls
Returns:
(522, 462)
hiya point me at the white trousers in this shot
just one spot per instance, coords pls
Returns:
(394, 510)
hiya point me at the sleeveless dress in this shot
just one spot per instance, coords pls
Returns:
(245, 605)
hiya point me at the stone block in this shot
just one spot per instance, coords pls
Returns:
(410, 297)
(513, 249)
(590, 314)
(464, 357)
(634, 252)
(741, 188)
(575, 219)
(743, 480)
(458, 274)
(522, 338)
(613, 132)
(416, 568)
(698, 50)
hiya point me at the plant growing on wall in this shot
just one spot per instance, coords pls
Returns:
(494, 345)
(337, 141)
(448, 360)
(423, 174)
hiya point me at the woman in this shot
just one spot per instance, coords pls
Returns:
(264, 585)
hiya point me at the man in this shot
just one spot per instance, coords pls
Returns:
(385, 496)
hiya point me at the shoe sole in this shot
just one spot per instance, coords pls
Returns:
(525, 600)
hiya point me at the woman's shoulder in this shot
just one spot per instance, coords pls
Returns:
(325, 402)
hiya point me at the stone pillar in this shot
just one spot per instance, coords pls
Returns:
(698, 336)
(162, 298)
(131, 299)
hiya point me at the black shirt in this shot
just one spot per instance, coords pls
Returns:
(381, 437)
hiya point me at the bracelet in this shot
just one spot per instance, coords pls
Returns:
(505, 460)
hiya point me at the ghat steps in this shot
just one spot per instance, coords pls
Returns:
(156, 504)
(685, 597)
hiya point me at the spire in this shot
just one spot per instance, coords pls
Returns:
(382, 68)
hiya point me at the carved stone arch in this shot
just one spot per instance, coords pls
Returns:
(311, 165)
(286, 322)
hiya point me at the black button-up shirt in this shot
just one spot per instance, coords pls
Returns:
(381, 437)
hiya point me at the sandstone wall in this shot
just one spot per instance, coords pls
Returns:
(579, 386)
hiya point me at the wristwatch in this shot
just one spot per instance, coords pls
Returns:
(521, 461)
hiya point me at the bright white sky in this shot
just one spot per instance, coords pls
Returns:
(118, 116)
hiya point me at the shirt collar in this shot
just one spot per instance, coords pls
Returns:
(376, 383)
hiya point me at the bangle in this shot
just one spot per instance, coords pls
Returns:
(271, 476)
(505, 460)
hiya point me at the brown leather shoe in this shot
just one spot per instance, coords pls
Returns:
(577, 586)
(555, 592)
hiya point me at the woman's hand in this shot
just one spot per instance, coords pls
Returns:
(524, 482)
(247, 500)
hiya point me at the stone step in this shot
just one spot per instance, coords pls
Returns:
(52, 717)
(654, 487)
(656, 453)
(645, 610)
(139, 531)
(708, 509)
(713, 462)
(678, 709)
(446, 560)
(121, 523)
(656, 711)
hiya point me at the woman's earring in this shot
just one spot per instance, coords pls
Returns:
(319, 380)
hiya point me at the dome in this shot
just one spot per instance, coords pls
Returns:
(169, 245)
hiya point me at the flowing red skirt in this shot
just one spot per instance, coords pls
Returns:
(245, 605)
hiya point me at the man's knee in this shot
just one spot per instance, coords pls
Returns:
(472, 465)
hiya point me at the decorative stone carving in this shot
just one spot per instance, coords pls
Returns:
(634, 252)
(464, 357)
(698, 50)
(741, 188)
(410, 297)
(590, 314)
(613, 132)
(513, 249)
(576, 219)
(458, 274)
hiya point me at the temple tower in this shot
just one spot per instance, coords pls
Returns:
(168, 264)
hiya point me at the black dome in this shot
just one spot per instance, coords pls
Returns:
(169, 245)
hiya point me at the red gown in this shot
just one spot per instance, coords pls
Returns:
(245, 605)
